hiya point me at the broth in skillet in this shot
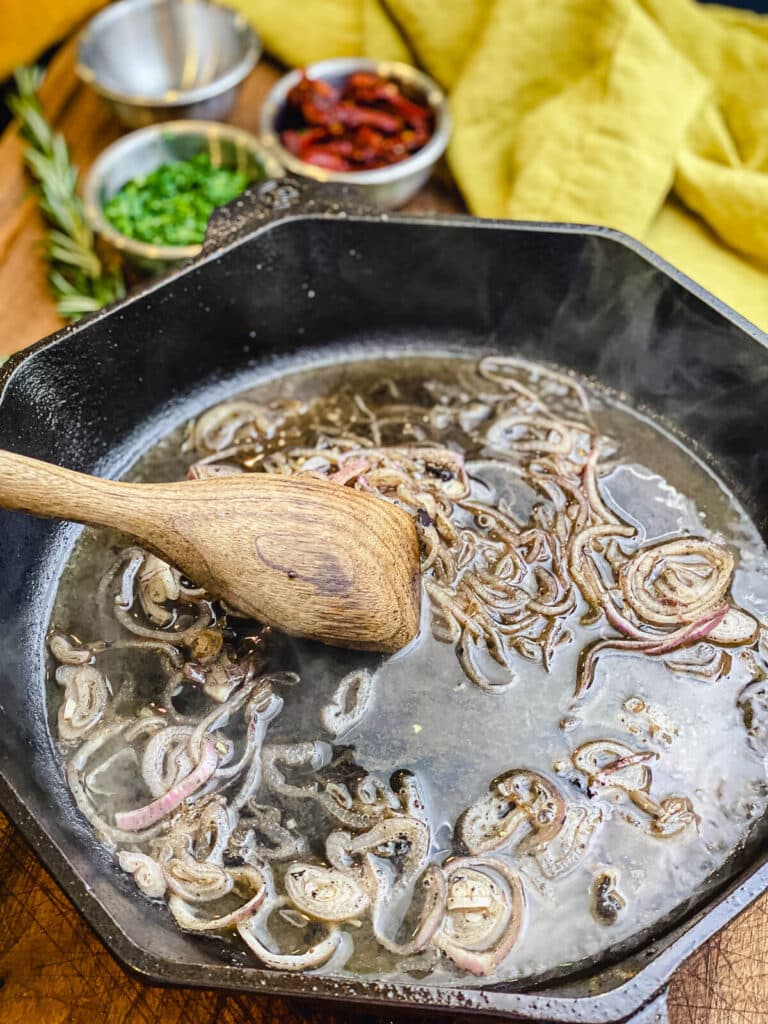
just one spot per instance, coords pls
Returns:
(569, 751)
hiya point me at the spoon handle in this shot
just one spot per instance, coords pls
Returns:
(28, 485)
(307, 556)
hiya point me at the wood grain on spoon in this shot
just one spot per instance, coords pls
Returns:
(307, 556)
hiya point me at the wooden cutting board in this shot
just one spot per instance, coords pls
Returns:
(53, 970)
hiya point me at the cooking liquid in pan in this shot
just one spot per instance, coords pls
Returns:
(573, 745)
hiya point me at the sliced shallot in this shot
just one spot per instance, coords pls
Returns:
(315, 956)
(485, 907)
(150, 814)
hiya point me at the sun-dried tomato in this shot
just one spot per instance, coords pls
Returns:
(366, 123)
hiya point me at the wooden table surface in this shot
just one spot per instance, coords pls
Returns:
(53, 970)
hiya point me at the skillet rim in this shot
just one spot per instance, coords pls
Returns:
(257, 211)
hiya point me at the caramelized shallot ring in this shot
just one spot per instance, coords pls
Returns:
(325, 894)
(683, 604)
(144, 817)
(338, 717)
(196, 881)
(433, 881)
(313, 957)
(67, 651)
(483, 961)
(657, 645)
(147, 873)
(244, 876)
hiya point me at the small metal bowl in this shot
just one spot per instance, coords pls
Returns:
(385, 187)
(142, 151)
(160, 60)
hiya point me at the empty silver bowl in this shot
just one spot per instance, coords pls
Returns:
(142, 151)
(159, 60)
(385, 187)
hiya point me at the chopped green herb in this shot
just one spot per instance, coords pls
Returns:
(173, 204)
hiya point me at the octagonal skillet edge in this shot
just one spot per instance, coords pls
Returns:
(638, 992)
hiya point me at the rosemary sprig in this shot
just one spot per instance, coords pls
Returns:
(78, 276)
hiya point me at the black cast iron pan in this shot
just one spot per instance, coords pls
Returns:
(287, 270)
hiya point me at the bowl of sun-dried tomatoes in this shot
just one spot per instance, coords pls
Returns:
(378, 126)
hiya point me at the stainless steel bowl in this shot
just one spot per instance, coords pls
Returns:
(386, 187)
(142, 151)
(159, 60)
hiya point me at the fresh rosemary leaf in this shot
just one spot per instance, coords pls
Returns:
(78, 276)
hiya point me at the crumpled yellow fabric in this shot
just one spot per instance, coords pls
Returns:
(650, 116)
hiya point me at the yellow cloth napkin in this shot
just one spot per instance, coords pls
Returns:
(650, 116)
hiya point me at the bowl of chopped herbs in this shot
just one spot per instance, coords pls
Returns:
(151, 194)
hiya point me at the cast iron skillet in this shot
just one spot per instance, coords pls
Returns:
(286, 271)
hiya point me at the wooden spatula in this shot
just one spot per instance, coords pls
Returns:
(310, 557)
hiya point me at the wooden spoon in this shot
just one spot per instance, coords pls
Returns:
(307, 556)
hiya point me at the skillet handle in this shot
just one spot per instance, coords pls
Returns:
(655, 1012)
(275, 200)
